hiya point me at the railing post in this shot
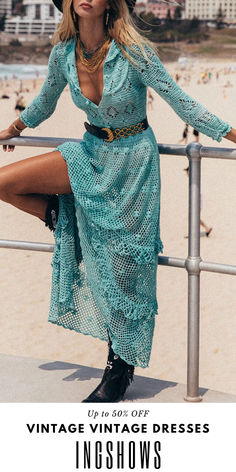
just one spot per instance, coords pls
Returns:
(193, 267)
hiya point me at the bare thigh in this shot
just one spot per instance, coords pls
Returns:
(43, 174)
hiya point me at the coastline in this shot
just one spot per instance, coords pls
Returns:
(27, 49)
(25, 54)
(38, 55)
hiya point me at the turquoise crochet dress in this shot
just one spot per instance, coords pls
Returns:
(107, 236)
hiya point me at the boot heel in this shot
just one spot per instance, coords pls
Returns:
(52, 212)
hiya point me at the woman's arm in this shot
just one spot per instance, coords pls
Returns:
(44, 104)
(152, 73)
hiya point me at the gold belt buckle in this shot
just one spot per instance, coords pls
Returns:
(111, 136)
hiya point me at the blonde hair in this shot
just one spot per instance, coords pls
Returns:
(123, 30)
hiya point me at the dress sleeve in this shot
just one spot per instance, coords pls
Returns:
(44, 104)
(152, 73)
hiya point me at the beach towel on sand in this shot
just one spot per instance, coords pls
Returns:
(107, 236)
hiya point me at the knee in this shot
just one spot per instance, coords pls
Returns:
(6, 186)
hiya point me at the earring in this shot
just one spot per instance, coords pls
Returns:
(107, 18)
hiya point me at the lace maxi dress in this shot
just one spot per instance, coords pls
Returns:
(107, 236)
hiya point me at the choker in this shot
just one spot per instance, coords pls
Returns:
(88, 53)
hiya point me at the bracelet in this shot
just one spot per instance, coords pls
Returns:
(16, 128)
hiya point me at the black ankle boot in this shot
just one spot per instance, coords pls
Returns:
(116, 378)
(52, 212)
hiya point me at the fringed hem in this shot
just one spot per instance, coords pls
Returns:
(115, 343)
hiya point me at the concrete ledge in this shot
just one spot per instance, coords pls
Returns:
(27, 380)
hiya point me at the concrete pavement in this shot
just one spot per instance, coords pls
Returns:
(29, 380)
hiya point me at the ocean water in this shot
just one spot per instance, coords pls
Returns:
(22, 71)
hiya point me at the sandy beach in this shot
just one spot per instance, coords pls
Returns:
(26, 276)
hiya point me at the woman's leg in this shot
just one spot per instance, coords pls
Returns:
(207, 228)
(26, 183)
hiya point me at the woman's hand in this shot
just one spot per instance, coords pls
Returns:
(7, 134)
(231, 135)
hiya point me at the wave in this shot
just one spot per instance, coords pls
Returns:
(22, 71)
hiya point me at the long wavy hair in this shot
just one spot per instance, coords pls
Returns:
(121, 27)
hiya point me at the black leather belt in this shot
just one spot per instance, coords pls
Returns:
(109, 134)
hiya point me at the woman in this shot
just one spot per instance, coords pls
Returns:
(107, 224)
(208, 229)
(20, 104)
(196, 135)
(184, 135)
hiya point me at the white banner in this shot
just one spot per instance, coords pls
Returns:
(69, 437)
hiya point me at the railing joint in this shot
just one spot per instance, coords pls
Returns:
(192, 265)
(193, 151)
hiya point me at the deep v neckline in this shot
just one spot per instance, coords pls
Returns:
(103, 76)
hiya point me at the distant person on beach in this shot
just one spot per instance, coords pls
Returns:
(196, 135)
(20, 104)
(6, 80)
(177, 77)
(101, 196)
(184, 135)
(228, 84)
(208, 229)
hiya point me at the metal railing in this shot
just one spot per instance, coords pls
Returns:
(193, 264)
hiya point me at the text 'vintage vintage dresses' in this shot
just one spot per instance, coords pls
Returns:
(107, 236)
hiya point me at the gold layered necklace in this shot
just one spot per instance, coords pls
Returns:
(92, 59)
